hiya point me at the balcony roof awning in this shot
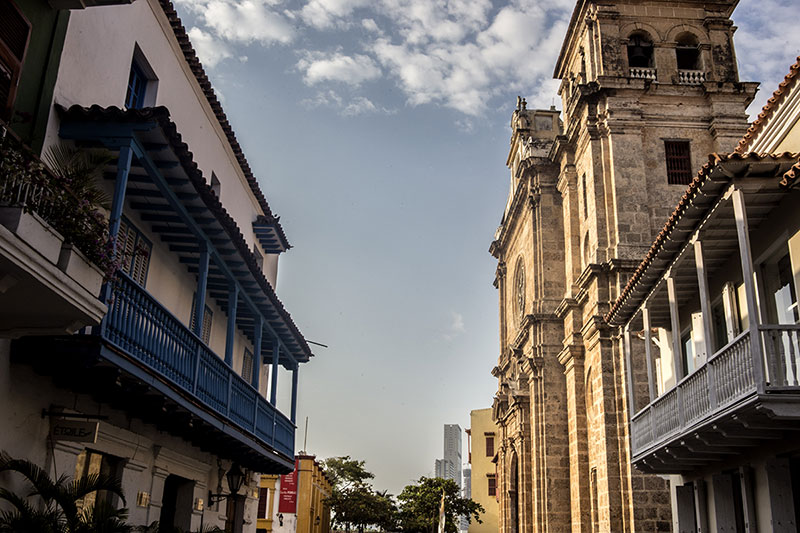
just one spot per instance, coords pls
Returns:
(162, 158)
(705, 191)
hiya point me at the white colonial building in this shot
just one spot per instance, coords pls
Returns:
(177, 359)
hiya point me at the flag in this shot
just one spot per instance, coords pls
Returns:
(441, 514)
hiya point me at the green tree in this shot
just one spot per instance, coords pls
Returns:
(353, 501)
(56, 508)
(419, 506)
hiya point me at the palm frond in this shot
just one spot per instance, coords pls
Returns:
(35, 475)
(81, 168)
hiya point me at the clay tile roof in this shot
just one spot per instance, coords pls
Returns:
(200, 74)
(769, 108)
(686, 201)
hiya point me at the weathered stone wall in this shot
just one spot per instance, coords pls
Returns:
(585, 207)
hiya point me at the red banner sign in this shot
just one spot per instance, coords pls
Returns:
(287, 502)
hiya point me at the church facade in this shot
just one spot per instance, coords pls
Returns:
(648, 89)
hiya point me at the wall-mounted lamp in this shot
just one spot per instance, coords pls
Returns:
(235, 478)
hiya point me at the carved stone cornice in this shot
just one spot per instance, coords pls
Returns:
(590, 272)
(571, 355)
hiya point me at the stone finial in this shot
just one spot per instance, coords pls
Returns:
(523, 103)
(519, 102)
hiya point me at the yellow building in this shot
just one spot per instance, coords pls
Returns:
(296, 503)
(313, 488)
(484, 476)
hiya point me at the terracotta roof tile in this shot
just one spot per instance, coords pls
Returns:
(200, 74)
(769, 108)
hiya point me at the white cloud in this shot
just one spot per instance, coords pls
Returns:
(370, 25)
(455, 328)
(210, 50)
(766, 45)
(347, 107)
(359, 106)
(248, 21)
(353, 70)
(325, 14)
(455, 53)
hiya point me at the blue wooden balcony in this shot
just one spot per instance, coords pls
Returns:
(144, 361)
(137, 324)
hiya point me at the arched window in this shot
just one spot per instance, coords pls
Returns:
(687, 52)
(640, 51)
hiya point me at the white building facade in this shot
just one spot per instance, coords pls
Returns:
(179, 358)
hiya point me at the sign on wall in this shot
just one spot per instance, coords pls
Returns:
(62, 429)
(287, 502)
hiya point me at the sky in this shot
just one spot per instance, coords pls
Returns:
(379, 131)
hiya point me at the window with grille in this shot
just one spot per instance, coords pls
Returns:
(207, 317)
(679, 162)
(247, 366)
(15, 32)
(489, 446)
(492, 484)
(133, 250)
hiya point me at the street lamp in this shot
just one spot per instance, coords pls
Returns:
(235, 478)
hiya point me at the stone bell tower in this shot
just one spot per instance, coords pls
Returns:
(649, 88)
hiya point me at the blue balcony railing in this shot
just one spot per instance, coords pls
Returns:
(140, 326)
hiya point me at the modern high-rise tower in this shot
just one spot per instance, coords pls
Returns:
(449, 467)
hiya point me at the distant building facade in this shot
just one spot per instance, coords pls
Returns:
(483, 477)
(711, 333)
(296, 502)
(449, 467)
(648, 88)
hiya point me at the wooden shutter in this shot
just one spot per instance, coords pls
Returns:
(15, 33)
(247, 366)
(141, 260)
(207, 318)
(207, 315)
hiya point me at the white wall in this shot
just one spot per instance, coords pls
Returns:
(149, 455)
(94, 69)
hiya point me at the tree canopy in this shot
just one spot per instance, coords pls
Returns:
(419, 506)
(353, 500)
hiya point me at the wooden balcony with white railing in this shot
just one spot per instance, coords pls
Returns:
(711, 337)
(724, 391)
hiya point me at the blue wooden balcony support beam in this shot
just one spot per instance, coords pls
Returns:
(273, 384)
(233, 302)
(258, 330)
(293, 416)
(202, 282)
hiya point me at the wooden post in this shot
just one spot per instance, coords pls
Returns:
(626, 346)
(651, 384)
(294, 393)
(743, 233)
(675, 324)
(202, 283)
(273, 388)
(115, 218)
(705, 309)
(233, 303)
(257, 360)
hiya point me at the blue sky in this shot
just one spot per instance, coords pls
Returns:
(379, 132)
